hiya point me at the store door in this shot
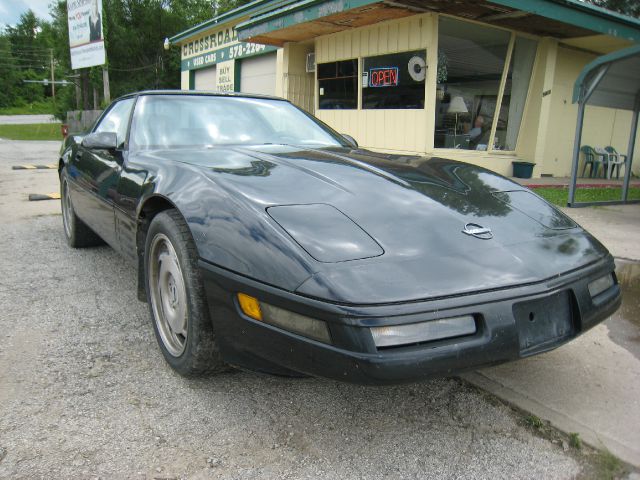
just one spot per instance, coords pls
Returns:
(206, 79)
(258, 74)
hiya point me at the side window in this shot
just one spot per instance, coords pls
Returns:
(117, 120)
(338, 84)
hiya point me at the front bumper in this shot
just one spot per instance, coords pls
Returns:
(505, 321)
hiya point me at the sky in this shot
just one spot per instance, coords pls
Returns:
(10, 10)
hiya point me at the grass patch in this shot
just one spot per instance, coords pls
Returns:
(33, 131)
(559, 196)
(608, 465)
(35, 108)
(575, 441)
(533, 421)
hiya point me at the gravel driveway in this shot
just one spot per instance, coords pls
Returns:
(85, 393)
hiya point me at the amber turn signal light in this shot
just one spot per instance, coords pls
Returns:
(250, 306)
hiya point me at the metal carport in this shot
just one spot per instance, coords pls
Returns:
(611, 81)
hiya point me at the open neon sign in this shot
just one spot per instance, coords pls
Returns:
(383, 77)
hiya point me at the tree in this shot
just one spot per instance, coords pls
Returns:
(134, 31)
(24, 55)
(626, 7)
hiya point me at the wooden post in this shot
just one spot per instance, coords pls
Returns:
(78, 95)
(84, 76)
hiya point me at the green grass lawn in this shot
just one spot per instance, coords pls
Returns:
(35, 108)
(33, 131)
(558, 196)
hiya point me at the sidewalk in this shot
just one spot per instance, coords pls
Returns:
(591, 385)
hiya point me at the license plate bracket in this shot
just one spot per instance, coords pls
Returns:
(544, 322)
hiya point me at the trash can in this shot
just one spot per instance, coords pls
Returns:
(523, 169)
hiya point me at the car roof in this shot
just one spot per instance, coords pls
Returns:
(205, 93)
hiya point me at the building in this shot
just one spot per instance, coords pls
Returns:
(486, 82)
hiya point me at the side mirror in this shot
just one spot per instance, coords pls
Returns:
(350, 140)
(101, 141)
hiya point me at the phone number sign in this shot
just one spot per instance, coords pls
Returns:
(239, 50)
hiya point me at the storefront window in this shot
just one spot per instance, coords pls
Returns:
(394, 81)
(515, 93)
(470, 65)
(338, 85)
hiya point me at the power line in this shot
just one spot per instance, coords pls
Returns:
(30, 49)
(22, 67)
(132, 69)
(22, 57)
(22, 60)
(21, 52)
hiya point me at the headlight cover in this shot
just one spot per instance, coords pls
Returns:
(398, 335)
(601, 285)
(325, 233)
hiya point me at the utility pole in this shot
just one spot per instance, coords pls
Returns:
(53, 76)
(105, 84)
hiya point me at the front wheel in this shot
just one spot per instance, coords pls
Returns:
(176, 297)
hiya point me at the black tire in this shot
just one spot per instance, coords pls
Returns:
(188, 342)
(77, 233)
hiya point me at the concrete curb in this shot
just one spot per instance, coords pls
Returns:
(557, 419)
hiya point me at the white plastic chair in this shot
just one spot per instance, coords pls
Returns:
(606, 160)
(618, 159)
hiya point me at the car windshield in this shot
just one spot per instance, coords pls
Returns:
(186, 121)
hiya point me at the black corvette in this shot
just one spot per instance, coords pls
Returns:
(265, 240)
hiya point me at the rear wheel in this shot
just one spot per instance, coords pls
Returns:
(77, 233)
(176, 297)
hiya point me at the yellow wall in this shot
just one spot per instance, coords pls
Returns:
(403, 131)
(184, 80)
(411, 131)
(548, 124)
(298, 86)
(602, 126)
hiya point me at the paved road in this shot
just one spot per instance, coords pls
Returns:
(24, 119)
(85, 393)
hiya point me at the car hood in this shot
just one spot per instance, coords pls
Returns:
(415, 209)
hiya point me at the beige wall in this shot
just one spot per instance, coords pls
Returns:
(395, 131)
(602, 126)
(411, 131)
(184, 80)
(298, 86)
(548, 124)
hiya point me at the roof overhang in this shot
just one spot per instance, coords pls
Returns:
(298, 20)
(233, 16)
(599, 44)
(611, 80)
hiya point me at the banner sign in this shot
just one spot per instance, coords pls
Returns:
(86, 39)
(225, 76)
(239, 50)
(218, 46)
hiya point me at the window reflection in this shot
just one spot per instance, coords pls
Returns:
(470, 68)
(179, 121)
(515, 93)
